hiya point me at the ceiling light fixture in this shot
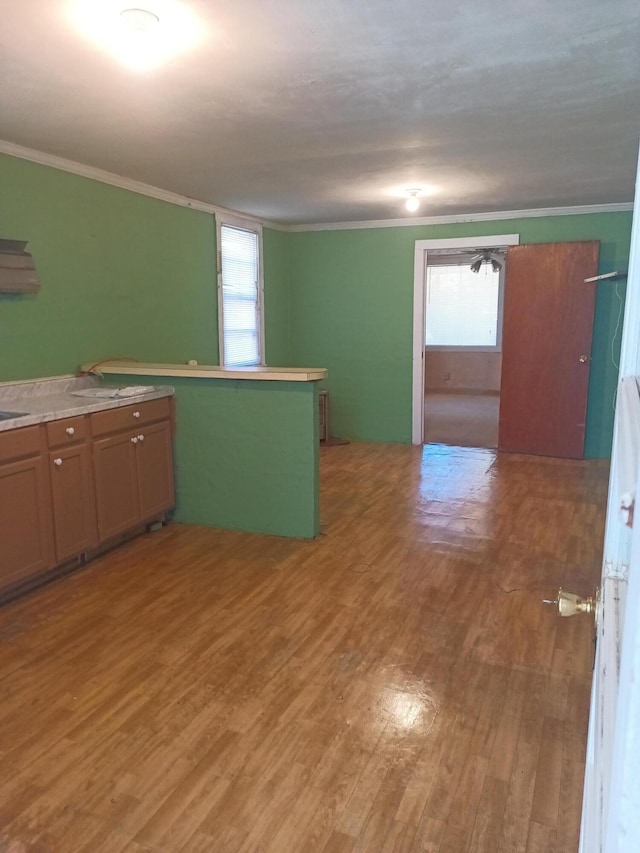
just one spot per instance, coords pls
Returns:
(413, 202)
(138, 41)
(142, 38)
(139, 21)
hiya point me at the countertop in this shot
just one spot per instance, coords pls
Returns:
(51, 399)
(211, 371)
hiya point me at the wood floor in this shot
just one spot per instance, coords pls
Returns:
(395, 685)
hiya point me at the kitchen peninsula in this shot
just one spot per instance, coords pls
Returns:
(246, 444)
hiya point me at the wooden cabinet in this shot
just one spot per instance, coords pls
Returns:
(26, 541)
(133, 468)
(154, 466)
(74, 517)
(114, 465)
(70, 485)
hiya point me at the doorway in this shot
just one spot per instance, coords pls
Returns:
(548, 321)
(463, 342)
(453, 413)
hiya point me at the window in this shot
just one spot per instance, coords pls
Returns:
(463, 308)
(240, 295)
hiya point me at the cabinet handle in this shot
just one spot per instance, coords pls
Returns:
(140, 438)
(70, 431)
(134, 440)
(136, 414)
(57, 461)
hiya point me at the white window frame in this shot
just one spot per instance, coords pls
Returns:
(256, 228)
(454, 347)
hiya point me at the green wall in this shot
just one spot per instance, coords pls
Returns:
(127, 275)
(122, 275)
(351, 310)
(246, 454)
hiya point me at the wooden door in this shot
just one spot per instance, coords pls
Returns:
(155, 470)
(25, 521)
(73, 501)
(114, 468)
(546, 348)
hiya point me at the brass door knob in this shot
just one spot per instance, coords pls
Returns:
(568, 603)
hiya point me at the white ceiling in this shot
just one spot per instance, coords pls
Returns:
(303, 111)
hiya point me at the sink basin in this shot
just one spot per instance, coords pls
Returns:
(6, 416)
(114, 393)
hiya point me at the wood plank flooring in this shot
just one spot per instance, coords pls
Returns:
(395, 685)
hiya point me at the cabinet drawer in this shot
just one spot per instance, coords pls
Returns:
(66, 431)
(17, 443)
(130, 417)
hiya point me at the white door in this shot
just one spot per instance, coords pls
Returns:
(611, 802)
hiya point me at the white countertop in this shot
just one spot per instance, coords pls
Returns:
(50, 400)
(210, 371)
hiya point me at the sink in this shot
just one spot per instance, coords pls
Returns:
(105, 392)
(6, 416)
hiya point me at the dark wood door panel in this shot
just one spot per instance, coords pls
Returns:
(546, 348)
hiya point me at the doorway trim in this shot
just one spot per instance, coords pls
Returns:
(422, 249)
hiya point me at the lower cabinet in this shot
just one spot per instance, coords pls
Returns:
(70, 485)
(133, 477)
(154, 467)
(74, 516)
(26, 542)
(114, 465)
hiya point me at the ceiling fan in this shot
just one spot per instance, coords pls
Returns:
(492, 256)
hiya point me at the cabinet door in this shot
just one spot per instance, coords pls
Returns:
(73, 501)
(155, 469)
(26, 546)
(114, 467)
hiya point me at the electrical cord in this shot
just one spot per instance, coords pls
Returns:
(94, 367)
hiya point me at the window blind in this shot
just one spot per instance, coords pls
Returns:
(239, 260)
(462, 306)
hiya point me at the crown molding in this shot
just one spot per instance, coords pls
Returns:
(123, 183)
(493, 216)
(91, 172)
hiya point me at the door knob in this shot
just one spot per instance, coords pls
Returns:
(70, 431)
(57, 462)
(134, 440)
(583, 358)
(140, 438)
(568, 603)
